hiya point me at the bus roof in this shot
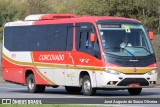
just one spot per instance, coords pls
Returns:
(63, 18)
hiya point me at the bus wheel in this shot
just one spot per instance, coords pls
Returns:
(72, 90)
(134, 91)
(87, 86)
(32, 87)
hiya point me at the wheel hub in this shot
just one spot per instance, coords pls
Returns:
(31, 83)
(87, 86)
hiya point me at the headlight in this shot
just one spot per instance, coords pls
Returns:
(152, 72)
(112, 71)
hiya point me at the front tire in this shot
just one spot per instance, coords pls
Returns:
(72, 90)
(32, 87)
(134, 91)
(87, 86)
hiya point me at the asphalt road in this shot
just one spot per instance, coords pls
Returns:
(8, 90)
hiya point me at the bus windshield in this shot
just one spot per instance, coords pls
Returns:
(125, 40)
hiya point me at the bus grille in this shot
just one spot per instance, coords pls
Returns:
(130, 63)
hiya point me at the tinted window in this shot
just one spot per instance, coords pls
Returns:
(83, 43)
(69, 38)
(38, 38)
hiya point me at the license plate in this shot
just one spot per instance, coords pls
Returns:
(134, 85)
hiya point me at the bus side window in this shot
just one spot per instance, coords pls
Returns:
(52, 37)
(69, 38)
(83, 40)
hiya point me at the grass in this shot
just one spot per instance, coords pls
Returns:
(48, 105)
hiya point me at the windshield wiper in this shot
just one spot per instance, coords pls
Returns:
(122, 49)
(144, 49)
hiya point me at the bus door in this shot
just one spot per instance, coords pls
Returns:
(87, 52)
(84, 56)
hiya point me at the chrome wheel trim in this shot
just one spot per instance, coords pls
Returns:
(31, 84)
(87, 86)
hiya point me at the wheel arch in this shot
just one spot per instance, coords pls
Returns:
(39, 78)
(27, 73)
(90, 74)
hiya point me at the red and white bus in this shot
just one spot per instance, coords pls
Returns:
(85, 53)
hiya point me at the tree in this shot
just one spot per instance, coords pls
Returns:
(36, 6)
(145, 11)
(9, 11)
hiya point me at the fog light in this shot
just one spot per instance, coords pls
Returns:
(152, 82)
(111, 83)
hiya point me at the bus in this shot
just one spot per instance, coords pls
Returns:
(81, 53)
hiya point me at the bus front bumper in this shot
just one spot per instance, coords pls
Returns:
(124, 81)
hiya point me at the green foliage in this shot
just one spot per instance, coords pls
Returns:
(156, 46)
(147, 12)
(36, 6)
(9, 11)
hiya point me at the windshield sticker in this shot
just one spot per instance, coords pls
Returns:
(110, 26)
(101, 33)
(127, 29)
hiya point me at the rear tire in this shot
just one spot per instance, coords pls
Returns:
(72, 90)
(87, 86)
(32, 87)
(134, 91)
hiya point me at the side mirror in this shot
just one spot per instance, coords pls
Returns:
(92, 37)
(151, 35)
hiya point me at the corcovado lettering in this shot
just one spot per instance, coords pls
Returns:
(52, 57)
